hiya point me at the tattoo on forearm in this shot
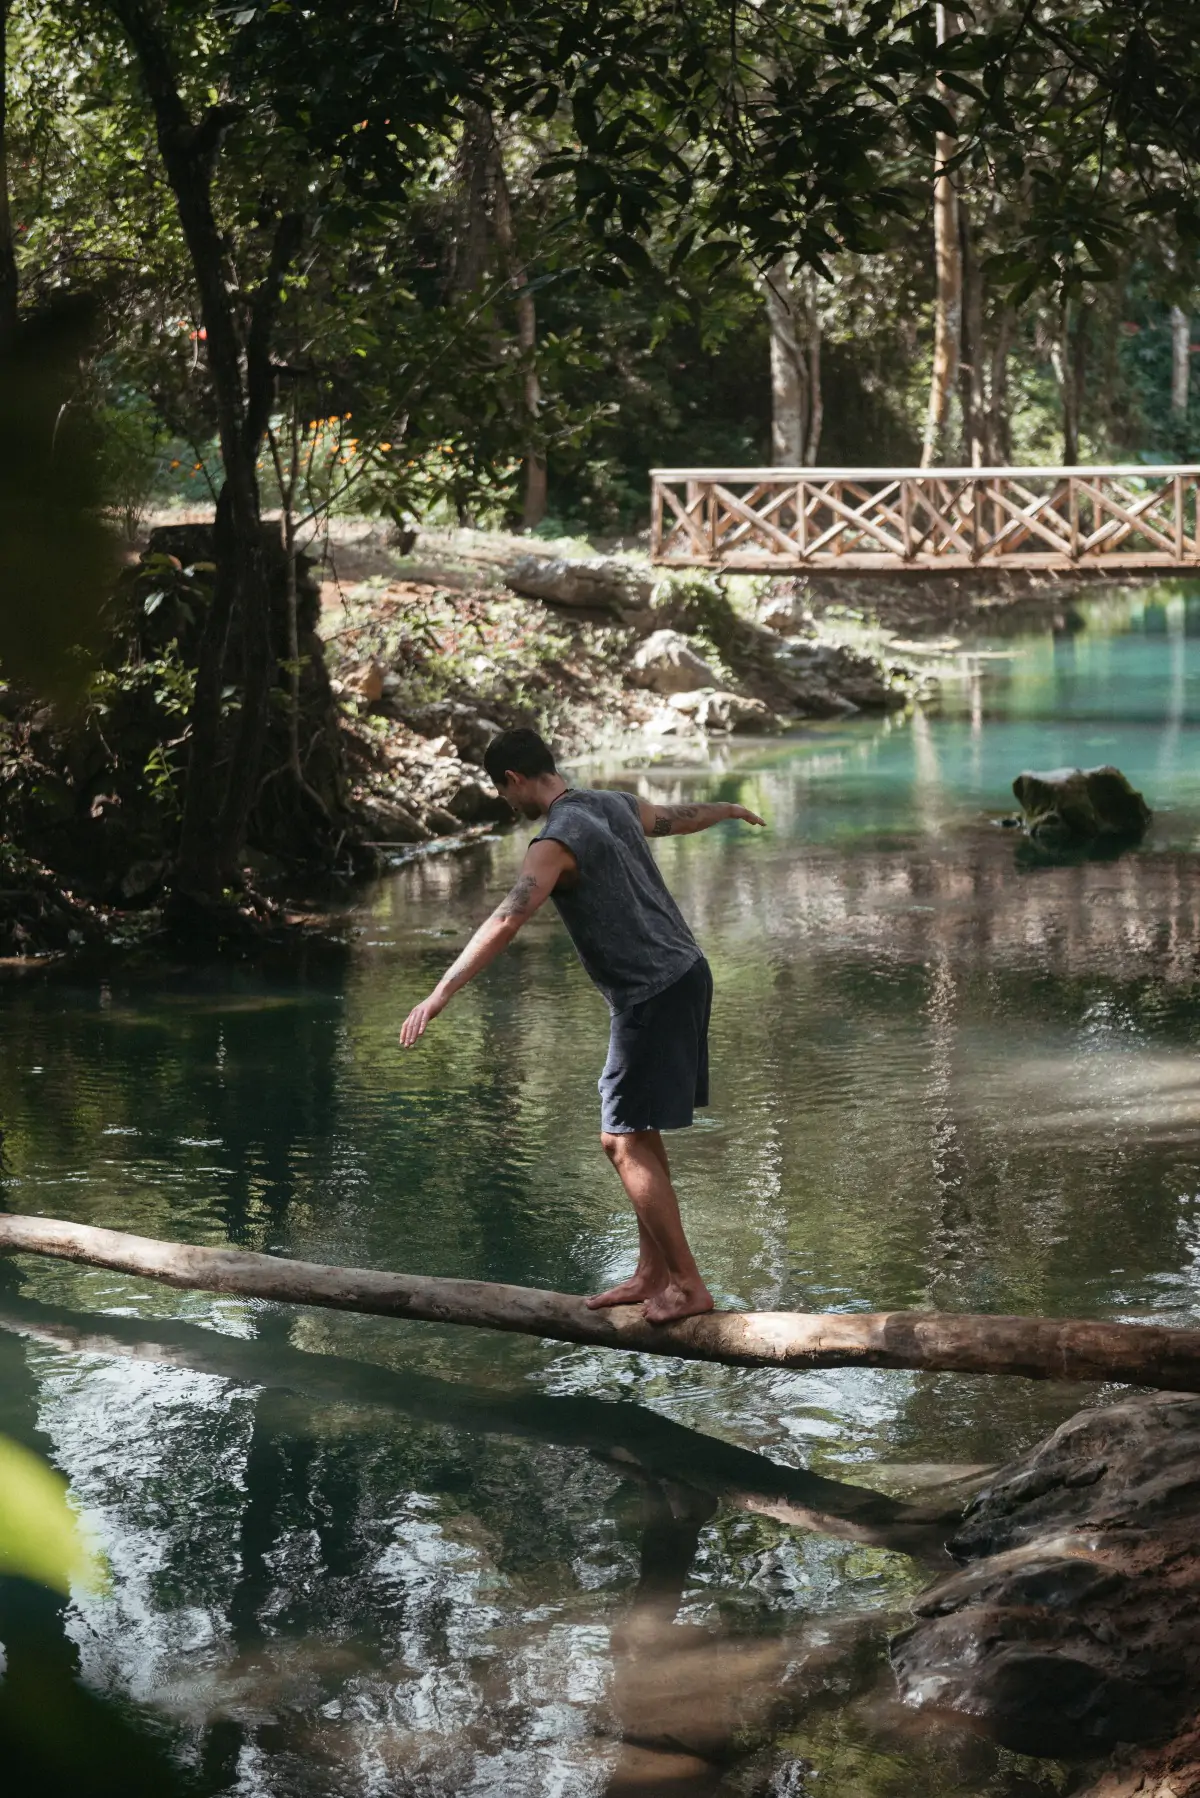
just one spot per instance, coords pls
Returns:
(667, 816)
(518, 899)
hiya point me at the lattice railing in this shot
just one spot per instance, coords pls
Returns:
(876, 518)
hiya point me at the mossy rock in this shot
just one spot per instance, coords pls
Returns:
(1081, 805)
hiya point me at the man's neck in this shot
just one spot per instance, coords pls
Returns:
(553, 787)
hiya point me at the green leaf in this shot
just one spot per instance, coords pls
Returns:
(40, 1538)
(961, 86)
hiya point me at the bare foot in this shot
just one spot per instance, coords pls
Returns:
(629, 1292)
(674, 1302)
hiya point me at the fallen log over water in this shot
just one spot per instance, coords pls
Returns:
(931, 1341)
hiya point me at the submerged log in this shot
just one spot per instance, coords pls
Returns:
(638, 1442)
(932, 1341)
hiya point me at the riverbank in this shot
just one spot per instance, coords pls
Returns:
(415, 655)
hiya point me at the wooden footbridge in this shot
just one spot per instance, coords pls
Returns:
(877, 519)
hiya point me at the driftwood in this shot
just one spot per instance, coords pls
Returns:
(931, 1341)
(601, 582)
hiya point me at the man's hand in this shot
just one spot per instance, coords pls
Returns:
(420, 1017)
(746, 816)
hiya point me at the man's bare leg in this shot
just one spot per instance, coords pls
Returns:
(651, 1274)
(667, 1277)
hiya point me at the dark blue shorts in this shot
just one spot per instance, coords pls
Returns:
(657, 1067)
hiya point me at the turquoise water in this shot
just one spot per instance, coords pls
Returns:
(355, 1557)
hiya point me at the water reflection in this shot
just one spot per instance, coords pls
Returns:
(351, 1556)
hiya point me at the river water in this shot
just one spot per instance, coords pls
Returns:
(355, 1557)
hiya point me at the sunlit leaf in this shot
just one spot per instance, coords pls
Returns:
(40, 1537)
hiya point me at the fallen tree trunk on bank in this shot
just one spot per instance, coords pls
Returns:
(930, 1341)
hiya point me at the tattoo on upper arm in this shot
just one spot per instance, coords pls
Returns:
(667, 816)
(518, 899)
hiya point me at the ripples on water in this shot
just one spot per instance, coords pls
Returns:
(352, 1557)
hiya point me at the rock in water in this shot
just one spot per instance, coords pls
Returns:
(667, 663)
(723, 711)
(1079, 805)
(1075, 1626)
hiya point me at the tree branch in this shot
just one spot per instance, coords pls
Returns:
(264, 309)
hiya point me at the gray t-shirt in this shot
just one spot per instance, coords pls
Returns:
(629, 933)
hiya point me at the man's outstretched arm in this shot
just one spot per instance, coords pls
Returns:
(683, 820)
(540, 871)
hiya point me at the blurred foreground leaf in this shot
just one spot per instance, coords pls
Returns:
(40, 1538)
(57, 558)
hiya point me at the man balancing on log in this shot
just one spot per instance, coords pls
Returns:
(590, 857)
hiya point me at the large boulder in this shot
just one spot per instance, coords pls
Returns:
(717, 711)
(667, 663)
(386, 821)
(602, 583)
(1079, 805)
(828, 678)
(1076, 1624)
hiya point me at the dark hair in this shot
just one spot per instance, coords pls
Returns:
(522, 751)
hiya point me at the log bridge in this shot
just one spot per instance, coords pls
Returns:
(930, 1341)
(780, 520)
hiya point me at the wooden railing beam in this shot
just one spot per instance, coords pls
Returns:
(878, 518)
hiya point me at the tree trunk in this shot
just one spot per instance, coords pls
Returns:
(8, 254)
(1181, 335)
(973, 360)
(940, 1342)
(999, 451)
(1068, 361)
(199, 868)
(533, 508)
(789, 371)
(947, 319)
(816, 397)
(796, 404)
(213, 823)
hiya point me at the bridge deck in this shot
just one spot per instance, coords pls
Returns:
(779, 519)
